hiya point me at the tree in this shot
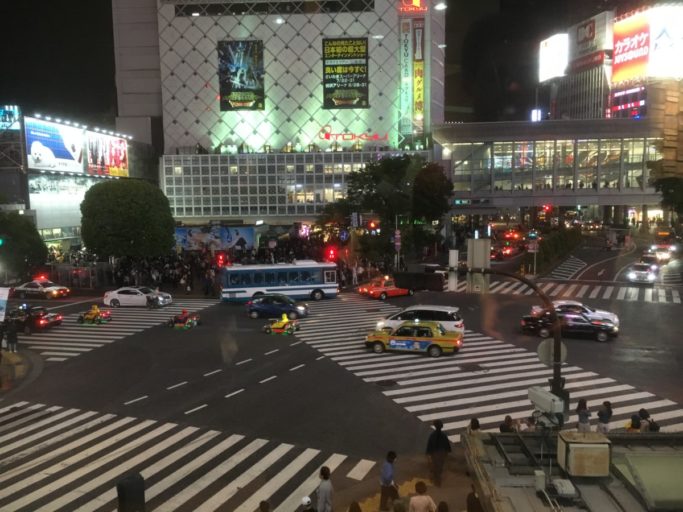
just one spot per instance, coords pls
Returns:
(338, 212)
(672, 193)
(127, 217)
(22, 249)
(431, 192)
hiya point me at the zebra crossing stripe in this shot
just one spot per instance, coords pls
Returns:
(620, 294)
(571, 289)
(19, 411)
(29, 418)
(595, 292)
(582, 291)
(662, 295)
(37, 425)
(608, 292)
(557, 290)
(676, 296)
(648, 295)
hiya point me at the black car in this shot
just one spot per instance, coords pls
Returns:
(573, 326)
(273, 305)
(29, 319)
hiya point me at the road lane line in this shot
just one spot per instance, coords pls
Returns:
(322, 357)
(242, 362)
(213, 372)
(74, 303)
(268, 379)
(620, 294)
(676, 296)
(582, 291)
(295, 343)
(196, 409)
(661, 292)
(177, 385)
(595, 292)
(136, 400)
(271, 352)
(234, 393)
(360, 470)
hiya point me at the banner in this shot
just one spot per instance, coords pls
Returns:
(345, 73)
(4, 296)
(54, 147)
(418, 76)
(218, 238)
(107, 155)
(405, 124)
(631, 48)
(241, 75)
(9, 117)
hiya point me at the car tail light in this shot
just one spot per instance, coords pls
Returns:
(458, 325)
(42, 321)
(523, 322)
(249, 303)
(60, 317)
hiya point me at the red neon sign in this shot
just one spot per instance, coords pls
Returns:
(326, 133)
(412, 6)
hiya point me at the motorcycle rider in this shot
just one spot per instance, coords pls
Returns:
(93, 313)
(182, 317)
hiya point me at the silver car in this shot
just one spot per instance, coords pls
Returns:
(135, 296)
(641, 273)
(447, 316)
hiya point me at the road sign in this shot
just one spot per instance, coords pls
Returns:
(343, 235)
(533, 246)
(546, 351)
(397, 239)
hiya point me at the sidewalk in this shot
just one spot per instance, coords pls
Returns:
(455, 485)
(14, 369)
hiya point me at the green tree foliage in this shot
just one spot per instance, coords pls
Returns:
(127, 218)
(672, 193)
(431, 192)
(337, 212)
(22, 250)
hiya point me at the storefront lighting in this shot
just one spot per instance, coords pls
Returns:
(279, 21)
(441, 6)
(259, 222)
(195, 14)
(67, 122)
(378, 36)
(48, 118)
(58, 119)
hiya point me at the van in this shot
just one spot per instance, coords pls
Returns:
(447, 316)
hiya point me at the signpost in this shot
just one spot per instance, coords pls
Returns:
(533, 248)
(397, 246)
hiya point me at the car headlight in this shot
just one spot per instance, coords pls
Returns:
(300, 308)
(673, 248)
(651, 277)
(653, 247)
(380, 326)
(631, 275)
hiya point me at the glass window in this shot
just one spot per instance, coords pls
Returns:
(282, 278)
(270, 278)
(405, 331)
(610, 161)
(587, 160)
(293, 277)
(563, 163)
(246, 279)
(502, 166)
(634, 152)
(258, 278)
(330, 276)
(523, 165)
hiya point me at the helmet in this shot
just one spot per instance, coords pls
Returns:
(306, 501)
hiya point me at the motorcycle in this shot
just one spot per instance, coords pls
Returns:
(281, 326)
(192, 320)
(91, 318)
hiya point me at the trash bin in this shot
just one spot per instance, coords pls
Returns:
(131, 493)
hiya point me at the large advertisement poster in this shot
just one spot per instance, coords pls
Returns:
(418, 76)
(220, 238)
(588, 41)
(57, 198)
(4, 296)
(666, 41)
(241, 75)
(345, 73)
(54, 147)
(405, 124)
(9, 117)
(107, 155)
(631, 48)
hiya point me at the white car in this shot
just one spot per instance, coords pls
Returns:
(447, 316)
(641, 273)
(135, 296)
(572, 306)
(40, 288)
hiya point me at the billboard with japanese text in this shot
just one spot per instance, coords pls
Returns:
(631, 48)
(345, 73)
(418, 75)
(241, 75)
(405, 125)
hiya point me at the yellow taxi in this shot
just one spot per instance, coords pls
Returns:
(417, 337)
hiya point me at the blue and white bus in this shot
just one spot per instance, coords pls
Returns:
(306, 279)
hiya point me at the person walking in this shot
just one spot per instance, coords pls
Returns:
(325, 491)
(604, 417)
(11, 333)
(421, 502)
(388, 489)
(508, 426)
(438, 448)
(584, 424)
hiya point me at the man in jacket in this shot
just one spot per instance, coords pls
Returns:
(438, 448)
(388, 489)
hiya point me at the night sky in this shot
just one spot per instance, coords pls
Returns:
(58, 56)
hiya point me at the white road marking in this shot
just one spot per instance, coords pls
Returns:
(595, 292)
(295, 343)
(213, 372)
(135, 400)
(196, 409)
(322, 357)
(268, 379)
(271, 352)
(177, 385)
(296, 367)
(242, 362)
(234, 393)
(360, 470)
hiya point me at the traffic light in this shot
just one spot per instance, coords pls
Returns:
(373, 226)
(547, 208)
(220, 259)
(331, 253)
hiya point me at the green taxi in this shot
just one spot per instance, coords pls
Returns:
(416, 337)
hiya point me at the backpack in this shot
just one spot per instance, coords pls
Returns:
(654, 426)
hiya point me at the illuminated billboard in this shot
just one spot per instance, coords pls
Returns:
(9, 117)
(57, 147)
(589, 40)
(345, 73)
(405, 123)
(241, 75)
(418, 76)
(553, 57)
(631, 48)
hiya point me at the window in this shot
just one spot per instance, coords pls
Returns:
(258, 278)
(407, 315)
(270, 278)
(424, 332)
(330, 276)
(405, 331)
(293, 278)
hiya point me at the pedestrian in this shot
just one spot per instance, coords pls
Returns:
(325, 491)
(11, 333)
(307, 505)
(264, 506)
(634, 424)
(442, 507)
(508, 426)
(355, 507)
(421, 502)
(473, 503)
(584, 424)
(388, 489)
(645, 420)
(474, 426)
(438, 448)
(604, 417)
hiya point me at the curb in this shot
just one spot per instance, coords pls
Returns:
(18, 370)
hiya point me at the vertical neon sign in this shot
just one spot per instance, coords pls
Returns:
(405, 126)
(418, 75)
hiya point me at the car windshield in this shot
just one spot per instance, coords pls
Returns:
(286, 299)
(46, 284)
(377, 282)
(641, 268)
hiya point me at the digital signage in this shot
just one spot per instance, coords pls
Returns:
(58, 147)
(220, 238)
(9, 117)
(553, 57)
(241, 75)
(405, 125)
(666, 41)
(345, 73)
(631, 48)
(418, 76)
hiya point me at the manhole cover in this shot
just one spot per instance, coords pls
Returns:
(471, 368)
(386, 383)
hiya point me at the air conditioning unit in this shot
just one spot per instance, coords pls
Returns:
(545, 401)
(584, 454)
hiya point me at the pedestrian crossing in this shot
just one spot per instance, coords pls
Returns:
(568, 268)
(577, 290)
(54, 458)
(71, 339)
(487, 379)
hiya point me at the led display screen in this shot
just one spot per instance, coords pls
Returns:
(631, 48)
(107, 155)
(345, 73)
(241, 75)
(220, 238)
(9, 117)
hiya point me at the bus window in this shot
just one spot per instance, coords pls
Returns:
(234, 280)
(305, 276)
(293, 277)
(246, 279)
(316, 276)
(282, 278)
(258, 278)
(330, 276)
(270, 278)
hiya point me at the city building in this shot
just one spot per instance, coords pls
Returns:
(267, 106)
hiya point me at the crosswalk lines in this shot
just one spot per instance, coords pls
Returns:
(71, 339)
(568, 268)
(488, 378)
(565, 290)
(70, 459)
